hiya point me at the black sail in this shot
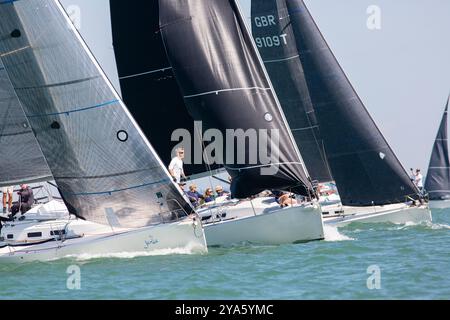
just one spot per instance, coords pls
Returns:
(365, 169)
(275, 40)
(148, 86)
(104, 166)
(224, 84)
(437, 182)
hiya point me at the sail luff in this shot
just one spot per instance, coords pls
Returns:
(437, 182)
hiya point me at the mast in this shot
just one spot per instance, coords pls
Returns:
(437, 182)
(99, 157)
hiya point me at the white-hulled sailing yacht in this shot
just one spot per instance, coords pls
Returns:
(120, 197)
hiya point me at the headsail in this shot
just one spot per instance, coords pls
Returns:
(437, 182)
(365, 169)
(21, 159)
(224, 84)
(275, 40)
(147, 82)
(103, 164)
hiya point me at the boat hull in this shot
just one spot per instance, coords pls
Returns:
(267, 227)
(397, 213)
(185, 234)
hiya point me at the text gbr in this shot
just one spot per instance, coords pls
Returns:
(269, 41)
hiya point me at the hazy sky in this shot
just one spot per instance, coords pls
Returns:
(401, 72)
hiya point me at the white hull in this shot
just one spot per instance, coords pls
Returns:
(93, 239)
(439, 204)
(395, 213)
(263, 222)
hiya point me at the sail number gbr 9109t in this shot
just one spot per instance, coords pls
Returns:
(268, 41)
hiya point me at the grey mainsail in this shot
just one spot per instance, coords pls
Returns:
(99, 158)
(21, 160)
(365, 169)
(274, 37)
(224, 84)
(437, 182)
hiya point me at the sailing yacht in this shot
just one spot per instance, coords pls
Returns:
(326, 112)
(67, 124)
(437, 182)
(199, 60)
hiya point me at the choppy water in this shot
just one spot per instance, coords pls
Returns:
(414, 262)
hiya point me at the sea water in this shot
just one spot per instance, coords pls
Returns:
(359, 261)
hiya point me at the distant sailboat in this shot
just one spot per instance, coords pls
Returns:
(370, 179)
(222, 83)
(106, 170)
(437, 182)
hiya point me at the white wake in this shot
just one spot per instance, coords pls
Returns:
(332, 234)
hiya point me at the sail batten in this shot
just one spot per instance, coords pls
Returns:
(100, 158)
(437, 182)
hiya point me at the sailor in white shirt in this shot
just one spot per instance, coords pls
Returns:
(176, 166)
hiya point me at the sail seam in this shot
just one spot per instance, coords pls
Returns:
(226, 90)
